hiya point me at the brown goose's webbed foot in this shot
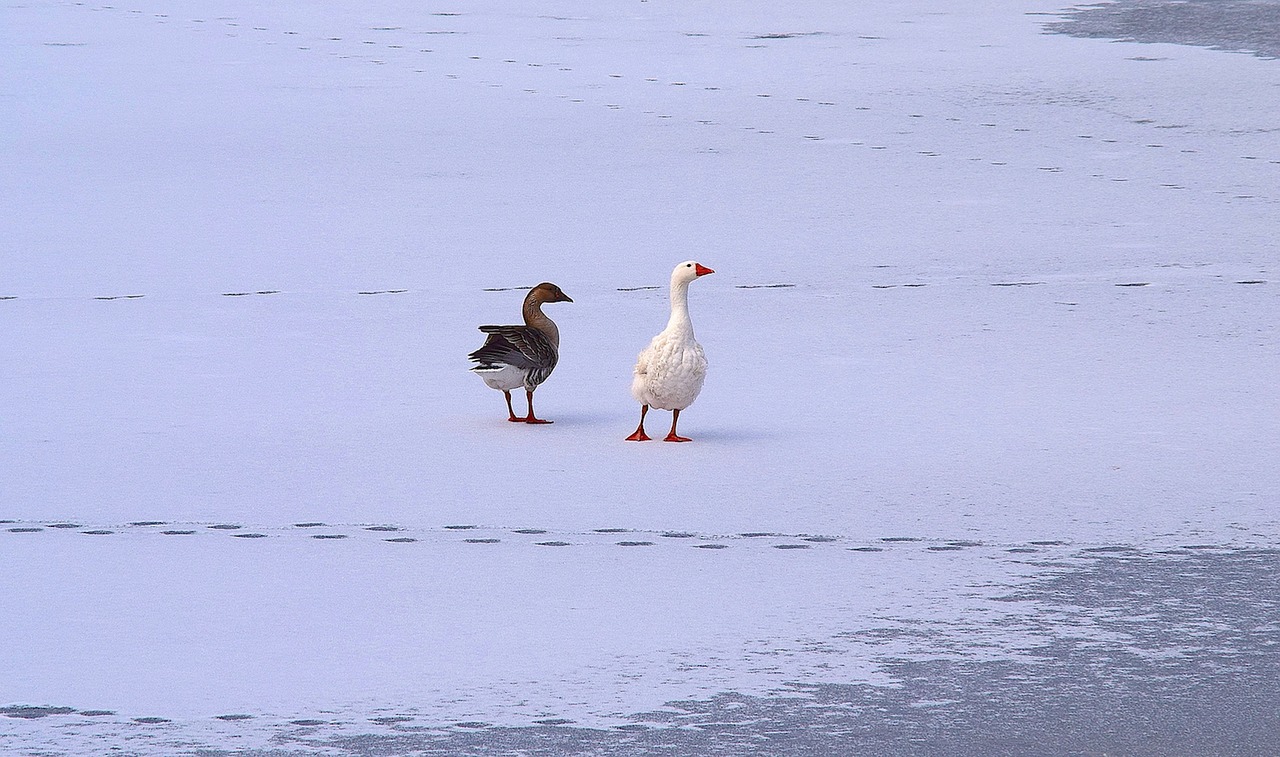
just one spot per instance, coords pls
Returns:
(511, 412)
(531, 418)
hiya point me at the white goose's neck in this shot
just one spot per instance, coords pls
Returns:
(680, 321)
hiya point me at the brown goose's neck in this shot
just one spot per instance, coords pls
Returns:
(535, 318)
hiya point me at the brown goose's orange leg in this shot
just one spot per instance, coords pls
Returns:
(672, 437)
(640, 435)
(531, 418)
(511, 413)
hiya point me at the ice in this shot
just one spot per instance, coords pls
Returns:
(978, 288)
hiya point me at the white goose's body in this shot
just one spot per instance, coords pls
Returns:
(670, 371)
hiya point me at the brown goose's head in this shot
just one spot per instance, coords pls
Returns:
(547, 292)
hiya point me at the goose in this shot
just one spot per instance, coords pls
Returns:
(515, 356)
(669, 372)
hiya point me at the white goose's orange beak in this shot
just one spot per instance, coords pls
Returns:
(701, 269)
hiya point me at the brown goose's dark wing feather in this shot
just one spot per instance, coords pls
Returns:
(519, 346)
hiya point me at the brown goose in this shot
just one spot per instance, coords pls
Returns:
(514, 356)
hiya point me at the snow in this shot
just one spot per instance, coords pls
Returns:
(974, 284)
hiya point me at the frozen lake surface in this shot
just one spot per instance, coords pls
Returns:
(985, 461)
(1250, 26)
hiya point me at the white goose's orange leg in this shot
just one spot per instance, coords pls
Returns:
(673, 437)
(511, 413)
(531, 418)
(640, 435)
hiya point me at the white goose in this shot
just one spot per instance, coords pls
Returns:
(669, 372)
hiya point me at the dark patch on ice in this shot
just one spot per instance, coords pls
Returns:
(27, 712)
(1048, 543)
(65, 525)
(121, 297)
(1252, 281)
(788, 35)
(1251, 26)
(473, 724)
(944, 548)
(309, 524)
(460, 528)
(98, 532)
(147, 523)
(764, 286)
(226, 526)
(819, 539)
(711, 546)
(177, 533)
(25, 530)
(1017, 283)
(866, 549)
(326, 536)
(529, 531)
(482, 541)
(307, 722)
(964, 543)
(609, 530)
(791, 546)
(1022, 550)
(635, 544)
(552, 543)
(1136, 655)
(152, 720)
(234, 717)
(249, 536)
(381, 528)
(96, 713)
(1133, 283)
(900, 538)
(756, 534)
(391, 719)
(402, 540)
(1109, 550)
(678, 535)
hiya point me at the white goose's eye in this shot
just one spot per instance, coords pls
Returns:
(688, 265)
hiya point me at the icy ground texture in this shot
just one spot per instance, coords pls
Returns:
(1249, 25)
(1138, 653)
(980, 290)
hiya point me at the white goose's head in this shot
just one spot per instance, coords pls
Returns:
(688, 271)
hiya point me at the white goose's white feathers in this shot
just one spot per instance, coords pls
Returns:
(670, 371)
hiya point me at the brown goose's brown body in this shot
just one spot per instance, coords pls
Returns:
(515, 356)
